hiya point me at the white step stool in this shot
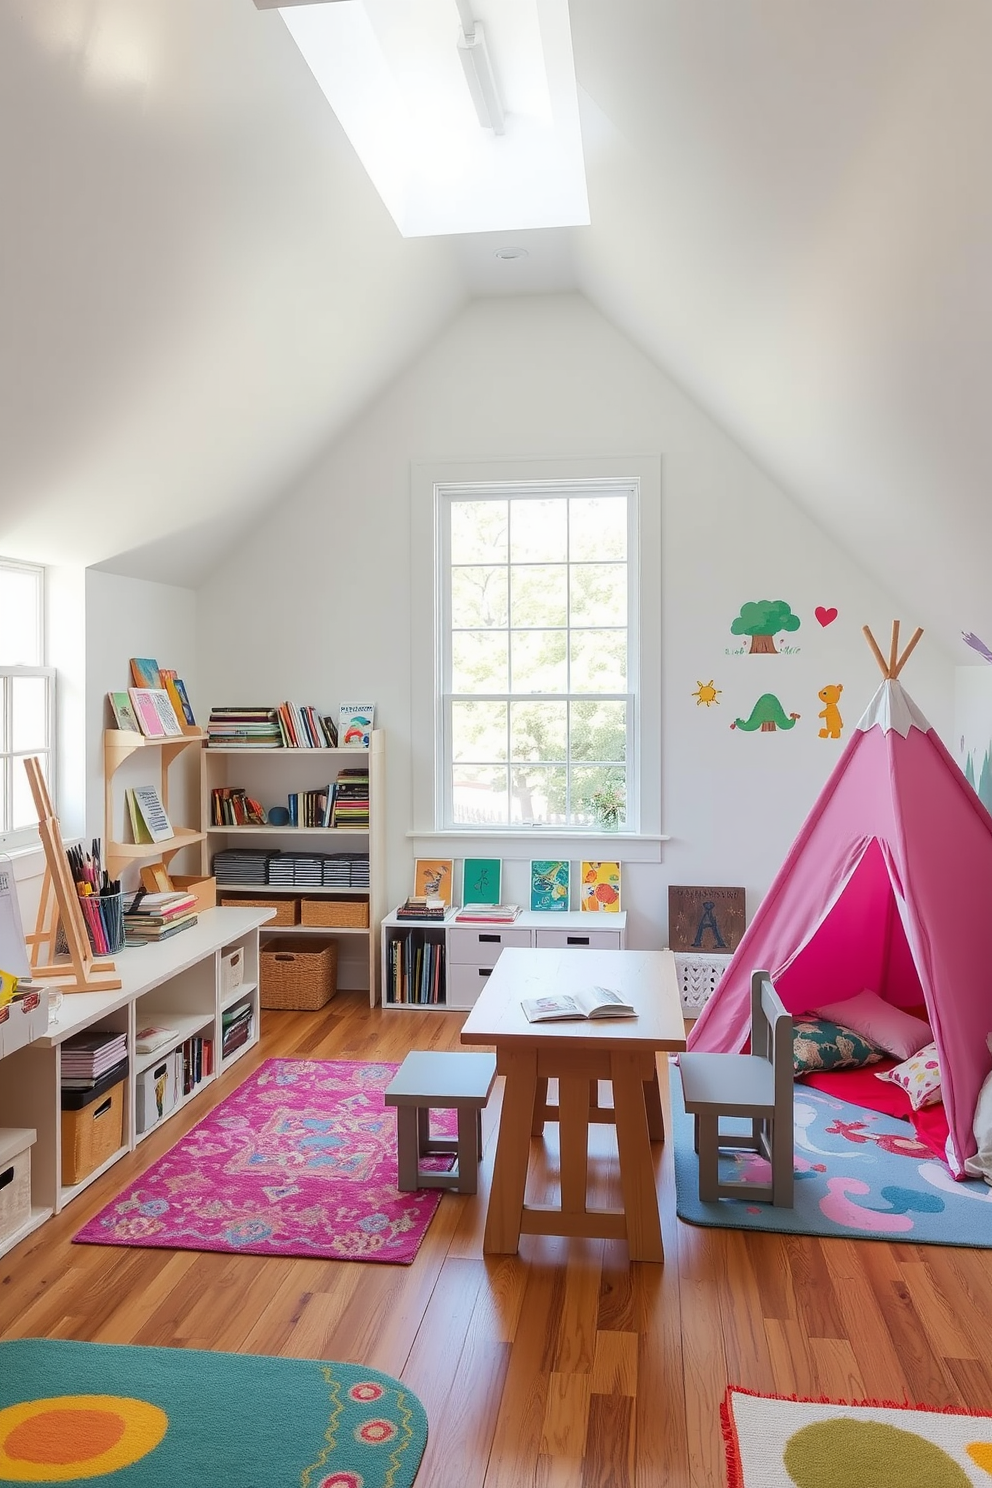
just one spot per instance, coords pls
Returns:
(430, 1080)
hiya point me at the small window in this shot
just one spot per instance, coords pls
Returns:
(27, 699)
(538, 656)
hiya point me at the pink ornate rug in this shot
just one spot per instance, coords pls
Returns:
(299, 1161)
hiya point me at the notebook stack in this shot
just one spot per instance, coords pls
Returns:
(346, 870)
(351, 799)
(242, 866)
(92, 1056)
(246, 727)
(421, 907)
(158, 916)
(305, 869)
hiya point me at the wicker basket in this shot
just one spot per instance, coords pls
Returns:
(297, 977)
(350, 914)
(92, 1133)
(699, 974)
(287, 911)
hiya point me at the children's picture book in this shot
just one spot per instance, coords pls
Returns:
(549, 884)
(124, 714)
(705, 919)
(433, 877)
(586, 1002)
(146, 712)
(165, 710)
(355, 721)
(176, 688)
(145, 672)
(600, 887)
(481, 880)
(149, 821)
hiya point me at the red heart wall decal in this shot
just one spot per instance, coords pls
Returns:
(825, 617)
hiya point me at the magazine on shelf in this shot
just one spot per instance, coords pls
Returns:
(587, 1002)
(487, 914)
(355, 723)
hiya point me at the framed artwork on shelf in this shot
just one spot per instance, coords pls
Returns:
(481, 880)
(549, 885)
(600, 888)
(705, 918)
(433, 878)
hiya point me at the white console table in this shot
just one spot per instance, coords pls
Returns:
(178, 983)
(470, 951)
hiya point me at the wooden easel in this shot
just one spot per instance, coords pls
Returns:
(890, 669)
(59, 903)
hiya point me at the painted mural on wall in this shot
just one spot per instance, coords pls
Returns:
(767, 715)
(763, 620)
(833, 723)
(707, 694)
(826, 614)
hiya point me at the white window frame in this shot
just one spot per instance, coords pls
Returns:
(445, 495)
(25, 838)
(642, 842)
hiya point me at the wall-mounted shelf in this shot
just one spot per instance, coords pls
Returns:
(118, 746)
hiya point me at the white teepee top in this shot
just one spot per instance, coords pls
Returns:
(893, 708)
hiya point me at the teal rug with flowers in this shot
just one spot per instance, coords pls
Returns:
(109, 1415)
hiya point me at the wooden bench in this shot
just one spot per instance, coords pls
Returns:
(430, 1080)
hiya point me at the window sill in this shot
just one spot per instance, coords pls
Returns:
(545, 842)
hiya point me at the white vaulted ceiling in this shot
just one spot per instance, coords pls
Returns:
(790, 214)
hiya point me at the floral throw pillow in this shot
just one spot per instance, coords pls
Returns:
(919, 1076)
(818, 1044)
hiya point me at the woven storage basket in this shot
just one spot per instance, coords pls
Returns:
(350, 914)
(15, 1173)
(92, 1133)
(698, 977)
(287, 911)
(297, 977)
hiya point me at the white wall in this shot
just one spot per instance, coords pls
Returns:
(124, 618)
(314, 604)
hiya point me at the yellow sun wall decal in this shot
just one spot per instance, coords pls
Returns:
(707, 694)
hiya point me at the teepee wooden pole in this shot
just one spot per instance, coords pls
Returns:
(893, 648)
(882, 665)
(908, 651)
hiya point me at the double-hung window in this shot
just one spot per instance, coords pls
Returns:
(537, 652)
(27, 699)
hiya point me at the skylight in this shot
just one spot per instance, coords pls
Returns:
(396, 76)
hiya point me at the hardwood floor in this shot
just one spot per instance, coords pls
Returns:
(563, 1366)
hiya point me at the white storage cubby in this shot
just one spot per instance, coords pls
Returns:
(469, 952)
(176, 984)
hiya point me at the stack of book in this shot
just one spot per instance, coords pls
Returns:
(487, 914)
(244, 865)
(237, 1023)
(157, 916)
(231, 806)
(346, 870)
(351, 799)
(302, 727)
(421, 907)
(92, 1056)
(247, 727)
(297, 868)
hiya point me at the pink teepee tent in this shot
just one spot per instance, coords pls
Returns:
(888, 886)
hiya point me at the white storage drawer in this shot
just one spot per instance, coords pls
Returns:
(593, 940)
(480, 945)
(464, 984)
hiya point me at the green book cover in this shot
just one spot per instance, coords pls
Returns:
(481, 881)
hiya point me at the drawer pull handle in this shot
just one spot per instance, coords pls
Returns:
(7, 1177)
(490, 938)
(484, 971)
(577, 940)
(102, 1110)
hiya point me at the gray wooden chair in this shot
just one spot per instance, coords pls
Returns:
(757, 1086)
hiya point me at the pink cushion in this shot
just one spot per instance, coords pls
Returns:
(899, 1033)
(919, 1076)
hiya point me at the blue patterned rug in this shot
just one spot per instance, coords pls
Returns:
(858, 1174)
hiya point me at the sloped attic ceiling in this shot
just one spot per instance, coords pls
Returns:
(790, 215)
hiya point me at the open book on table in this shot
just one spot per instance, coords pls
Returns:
(586, 1002)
